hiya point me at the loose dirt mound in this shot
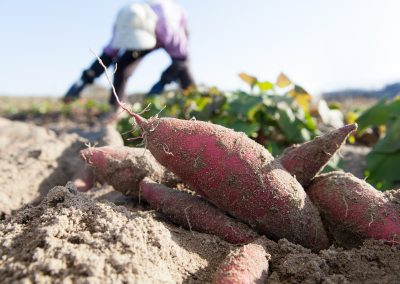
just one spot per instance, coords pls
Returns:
(33, 160)
(353, 159)
(374, 262)
(70, 237)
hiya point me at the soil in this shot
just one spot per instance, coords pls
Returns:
(35, 159)
(50, 233)
(353, 159)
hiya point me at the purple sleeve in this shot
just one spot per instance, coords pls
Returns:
(171, 29)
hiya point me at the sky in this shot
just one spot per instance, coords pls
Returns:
(322, 45)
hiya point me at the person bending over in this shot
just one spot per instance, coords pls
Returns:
(139, 29)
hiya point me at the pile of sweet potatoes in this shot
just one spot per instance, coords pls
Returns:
(243, 191)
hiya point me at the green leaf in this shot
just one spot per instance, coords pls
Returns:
(273, 100)
(309, 122)
(383, 168)
(376, 115)
(287, 124)
(241, 126)
(202, 102)
(265, 86)
(394, 107)
(244, 103)
(391, 142)
(300, 90)
(274, 148)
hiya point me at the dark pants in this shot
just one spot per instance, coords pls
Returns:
(126, 64)
(178, 71)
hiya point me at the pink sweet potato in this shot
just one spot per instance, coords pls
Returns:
(305, 161)
(354, 210)
(247, 264)
(237, 175)
(84, 179)
(194, 213)
(124, 167)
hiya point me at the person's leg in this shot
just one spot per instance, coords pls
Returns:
(169, 75)
(177, 71)
(125, 66)
(87, 77)
(185, 76)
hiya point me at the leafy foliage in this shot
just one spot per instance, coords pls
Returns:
(275, 115)
(384, 158)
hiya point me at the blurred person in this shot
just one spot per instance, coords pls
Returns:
(139, 29)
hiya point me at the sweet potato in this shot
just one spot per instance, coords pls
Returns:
(354, 210)
(305, 161)
(237, 175)
(246, 264)
(194, 213)
(124, 167)
(84, 179)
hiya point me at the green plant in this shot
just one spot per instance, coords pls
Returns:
(384, 158)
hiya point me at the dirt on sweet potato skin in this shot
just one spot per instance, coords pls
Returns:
(353, 210)
(124, 167)
(243, 179)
